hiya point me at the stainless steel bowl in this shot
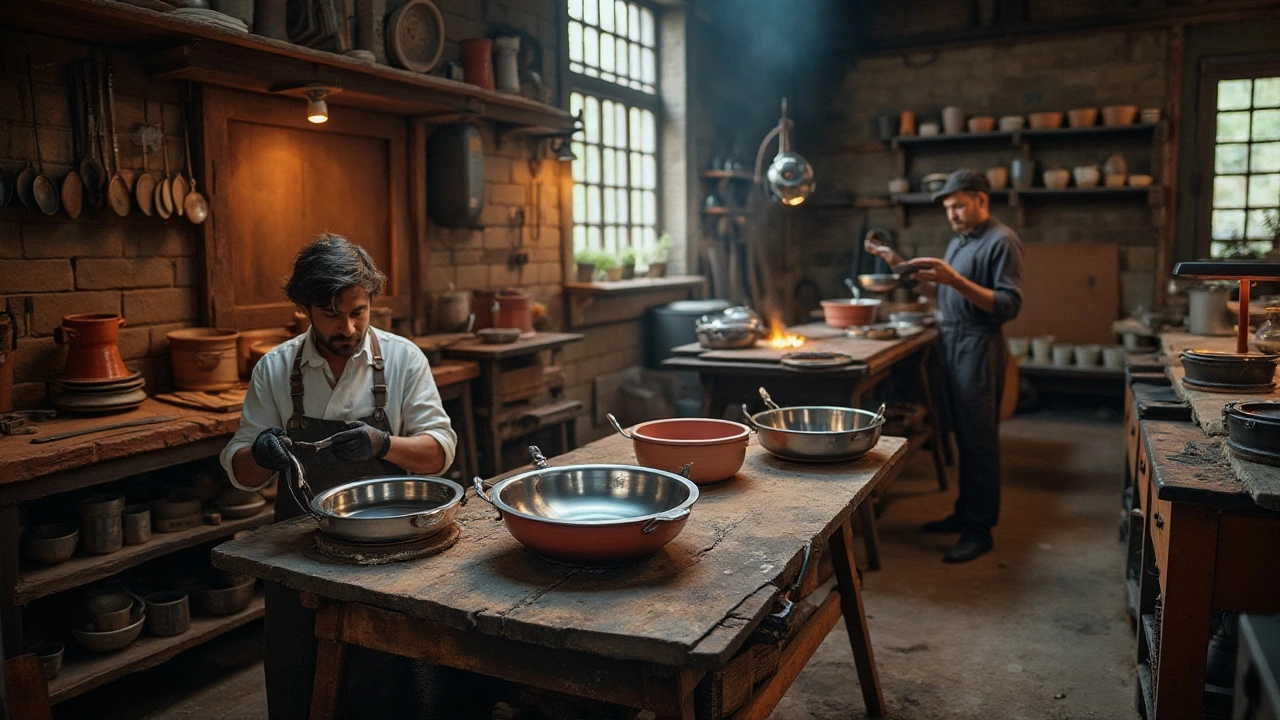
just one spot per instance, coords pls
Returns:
(816, 433)
(387, 509)
(878, 283)
(735, 327)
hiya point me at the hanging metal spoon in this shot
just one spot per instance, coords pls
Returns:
(164, 188)
(144, 190)
(72, 190)
(23, 186)
(92, 174)
(118, 188)
(197, 209)
(853, 288)
(43, 189)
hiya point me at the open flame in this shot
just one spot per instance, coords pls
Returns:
(780, 339)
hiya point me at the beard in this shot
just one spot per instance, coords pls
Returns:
(340, 345)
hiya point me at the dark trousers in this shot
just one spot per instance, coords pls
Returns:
(974, 364)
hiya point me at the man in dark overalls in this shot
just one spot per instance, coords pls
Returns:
(978, 288)
(372, 392)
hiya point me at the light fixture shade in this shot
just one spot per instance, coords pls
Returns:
(789, 179)
(565, 153)
(317, 110)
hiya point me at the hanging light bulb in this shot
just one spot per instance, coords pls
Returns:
(317, 109)
(564, 153)
(789, 179)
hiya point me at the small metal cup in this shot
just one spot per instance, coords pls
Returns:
(137, 524)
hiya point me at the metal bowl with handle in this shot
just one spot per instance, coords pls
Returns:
(592, 514)
(736, 327)
(381, 509)
(815, 433)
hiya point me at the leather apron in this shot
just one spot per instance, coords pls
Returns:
(374, 684)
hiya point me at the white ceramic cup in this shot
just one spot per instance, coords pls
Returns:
(1063, 354)
(1113, 357)
(1087, 355)
(1042, 348)
(928, 129)
(952, 119)
(1018, 347)
(1087, 176)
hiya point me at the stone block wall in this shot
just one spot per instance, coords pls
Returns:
(1104, 68)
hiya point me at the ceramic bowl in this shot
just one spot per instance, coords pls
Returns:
(998, 176)
(111, 640)
(1086, 176)
(716, 448)
(1119, 114)
(1149, 116)
(1045, 120)
(498, 336)
(1056, 179)
(1113, 180)
(1010, 123)
(1082, 117)
(933, 182)
(235, 504)
(981, 124)
(110, 610)
(50, 656)
(842, 313)
(52, 543)
(225, 600)
(929, 129)
(898, 186)
(1139, 180)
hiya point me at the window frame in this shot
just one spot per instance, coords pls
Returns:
(605, 90)
(1212, 71)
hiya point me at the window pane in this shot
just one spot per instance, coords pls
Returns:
(637, 207)
(591, 120)
(650, 179)
(593, 164)
(610, 171)
(634, 61)
(620, 200)
(1227, 224)
(610, 238)
(1266, 124)
(606, 15)
(621, 62)
(593, 205)
(650, 208)
(647, 71)
(637, 171)
(575, 41)
(607, 137)
(620, 124)
(1233, 127)
(575, 9)
(649, 142)
(606, 53)
(579, 205)
(633, 26)
(620, 161)
(1234, 94)
(633, 118)
(1231, 159)
(579, 164)
(1228, 191)
(1266, 92)
(646, 28)
(1266, 157)
(591, 46)
(1264, 191)
(593, 238)
(579, 237)
(590, 12)
(1257, 226)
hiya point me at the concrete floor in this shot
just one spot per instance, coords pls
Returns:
(1035, 629)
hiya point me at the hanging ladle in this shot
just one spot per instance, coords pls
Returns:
(164, 191)
(72, 191)
(118, 194)
(92, 172)
(43, 190)
(194, 203)
(144, 189)
(853, 288)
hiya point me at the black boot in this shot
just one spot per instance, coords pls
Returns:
(973, 542)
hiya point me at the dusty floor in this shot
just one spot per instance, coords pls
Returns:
(1035, 629)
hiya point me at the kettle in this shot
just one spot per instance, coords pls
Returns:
(732, 328)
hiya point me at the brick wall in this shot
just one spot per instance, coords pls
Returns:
(142, 268)
(1084, 71)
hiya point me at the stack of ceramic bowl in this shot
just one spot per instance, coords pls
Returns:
(95, 379)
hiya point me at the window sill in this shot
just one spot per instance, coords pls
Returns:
(625, 300)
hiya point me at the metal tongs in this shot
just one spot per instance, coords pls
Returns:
(315, 446)
(775, 623)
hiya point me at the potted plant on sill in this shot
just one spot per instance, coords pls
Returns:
(628, 261)
(586, 260)
(661, 256)
(608, 264)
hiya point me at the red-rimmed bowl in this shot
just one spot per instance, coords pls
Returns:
(714, 448)
(842, 313)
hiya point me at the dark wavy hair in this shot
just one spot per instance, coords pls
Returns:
(326, 267)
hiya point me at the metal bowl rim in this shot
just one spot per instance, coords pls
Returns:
(743, 432)
(495, 495)
(456, 498)
(858, 411)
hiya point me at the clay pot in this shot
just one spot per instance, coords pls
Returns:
(477, 62)
(204, 358)
(259, 350)
(92, 352)
(898, 186)
(1087, 176)
(1119, 114)
(998, 177)
(716, 448)
(843, 313)
(952, 119)
(482, 308)
(1011, 123)
(515, 311)
(907, 123)
(249, 338)
(1082, 117)
(1139, 180)
(981, 124)
(1045, 120)
(1056, 179)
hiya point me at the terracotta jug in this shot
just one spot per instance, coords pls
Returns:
(515, 311)
(92, 352)
(477, 62)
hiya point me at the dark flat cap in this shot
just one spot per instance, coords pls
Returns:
(962, 180)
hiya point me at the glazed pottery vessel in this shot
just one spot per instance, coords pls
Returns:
(92, 352)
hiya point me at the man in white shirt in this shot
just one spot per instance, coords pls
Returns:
(373, 394)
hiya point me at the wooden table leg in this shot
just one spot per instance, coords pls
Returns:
(870, 536)
(855, 618)
(1187, 601)
(470, 461)
(937, 441)
(330, 654)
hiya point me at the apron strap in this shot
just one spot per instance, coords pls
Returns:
(379, 378)
(295, 390)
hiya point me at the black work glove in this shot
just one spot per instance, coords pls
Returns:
(271, 449)
(360, 442)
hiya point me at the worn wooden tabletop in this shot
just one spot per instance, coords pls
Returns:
(692, 604)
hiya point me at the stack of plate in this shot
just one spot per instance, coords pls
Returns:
(210, 17)
(100, 396)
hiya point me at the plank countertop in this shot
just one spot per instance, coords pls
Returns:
(691, 604)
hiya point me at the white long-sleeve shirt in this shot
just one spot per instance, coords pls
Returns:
(413, 401)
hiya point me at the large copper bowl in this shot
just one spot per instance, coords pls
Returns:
(592, 514)
(714, 449)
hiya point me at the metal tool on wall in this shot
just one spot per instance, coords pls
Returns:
(92, 172)
(144, 188)
(197, 209)
(118, 194)
(164, 187)
(72, 190)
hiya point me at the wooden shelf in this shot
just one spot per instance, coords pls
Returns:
(1015, 137)
(631, 287)
(728, 175)
(1086, 193)
(1035, 369)
(82, 670)
(180, 49)
(952, 138)
(37, 582)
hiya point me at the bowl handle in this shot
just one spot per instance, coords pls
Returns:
(301, 491)
(614, 422)
(751, 423)
(425, 519)
(768, 401)
(480, 493)
(539, 460)
(655, 522)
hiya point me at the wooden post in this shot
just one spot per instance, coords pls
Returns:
(855, 618)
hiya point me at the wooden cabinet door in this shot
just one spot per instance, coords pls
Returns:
(276, 180)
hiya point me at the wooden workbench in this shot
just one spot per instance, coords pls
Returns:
(650, 634)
